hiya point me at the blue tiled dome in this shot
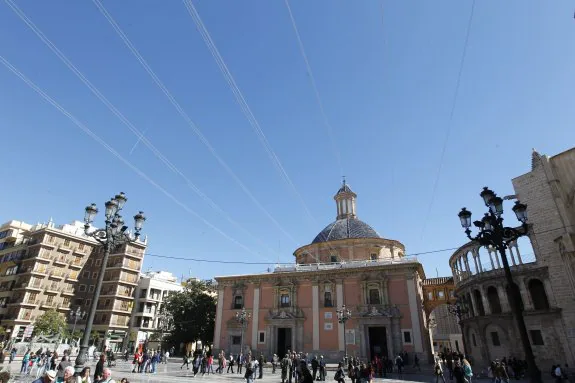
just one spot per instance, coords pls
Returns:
(345, 228)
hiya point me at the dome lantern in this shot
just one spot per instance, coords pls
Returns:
(345, 202)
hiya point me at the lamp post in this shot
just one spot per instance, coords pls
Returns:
(459, 310)
(343, 315)
(243, 317)
(111, 236)
(75, 315)
(492, 233)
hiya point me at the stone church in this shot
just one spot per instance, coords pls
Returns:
(295, 307)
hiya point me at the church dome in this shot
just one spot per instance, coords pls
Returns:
(345, 228)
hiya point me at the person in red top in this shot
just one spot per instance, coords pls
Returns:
(137, 361)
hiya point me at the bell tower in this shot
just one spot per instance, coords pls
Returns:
(345, 201)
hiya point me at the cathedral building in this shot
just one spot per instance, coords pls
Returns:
(348, 264)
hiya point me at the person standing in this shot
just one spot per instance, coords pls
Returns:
(314, 366)
(339, 374)
(261, 362)
(187, 360)
(285, 367)
(240, 362)
(274, 363)
(99, 370)
(321, 368)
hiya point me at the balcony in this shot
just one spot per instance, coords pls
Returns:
(72, 276)
(48, 305)
(51, 288)
(61, 260)
(56, 274)
(125, 264)
(30, 303)
(76, 264)
(119, 323)
(68, 291)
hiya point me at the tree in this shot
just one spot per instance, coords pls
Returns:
(192, 312)
(50, 323)
(94, 337)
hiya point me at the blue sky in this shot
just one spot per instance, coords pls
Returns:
(386, 72)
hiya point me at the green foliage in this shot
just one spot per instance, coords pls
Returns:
(2, 330)
(50, 323)
(192, 312)
(155, 337)
(94, 336)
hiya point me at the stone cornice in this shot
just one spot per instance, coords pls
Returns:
(390, 270)
(355, 242)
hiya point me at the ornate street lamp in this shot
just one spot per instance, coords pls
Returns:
(493, 234)
(75, 315)
(243, 317)
(112, 235)
(343, 315)
(459, 309)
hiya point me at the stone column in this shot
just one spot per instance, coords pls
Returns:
(255, 318)
(477, 271)
(549, 293)
(485, 301)
(518, 253)
(505, 306)
(340, 302)
(396, 336)
(415, 313)
(315, 316)
(219, 313)
(524, 294)
(491, 259)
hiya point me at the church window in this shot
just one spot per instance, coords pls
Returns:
(373, 257)
(238, 302)
(284, 300)
(374, 297)
(327, 302)
(495, 338)
(333, 259)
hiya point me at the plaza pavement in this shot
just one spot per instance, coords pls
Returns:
(171, 373)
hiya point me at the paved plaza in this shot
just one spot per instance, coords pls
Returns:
(171, 372)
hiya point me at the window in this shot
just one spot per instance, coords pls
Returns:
(12, 270)
(284, 300)
(261, 337)
(88, 302)
(143, 293)
(430, 295)
(452, 294)
(94, 275)
(479, 302)
(66, 242)
(236, 340)
(141, 308)
(373, 256)
(536, 338)
(82, 288)
(495, 338)
(81, 246)
(406, 336)
(374, 297)
(493, 299)
(328, 315)
(538, 295)
(327, 299)
(91, 289)
(333, 258)
(98, 262)
(328, 326)
(473, 339)
(86, 274)
(49, 299)
(238, 302)
(66, 302)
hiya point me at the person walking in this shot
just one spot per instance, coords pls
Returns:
(250, 370)
(339, 374)
(231, 364)
(467, 371)
(321, 368)
(438, 371)
(314, 367)
(187, 360)
(261, 362)
(285, 365)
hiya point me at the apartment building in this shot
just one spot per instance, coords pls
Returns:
(152, 290)
(58, 269)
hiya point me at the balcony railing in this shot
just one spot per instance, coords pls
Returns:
(287, 268)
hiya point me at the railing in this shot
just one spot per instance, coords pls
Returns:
(284, 268)
(472, 260)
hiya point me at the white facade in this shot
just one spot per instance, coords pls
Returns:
(152, 290)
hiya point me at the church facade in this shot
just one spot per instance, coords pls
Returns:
(295, 307)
